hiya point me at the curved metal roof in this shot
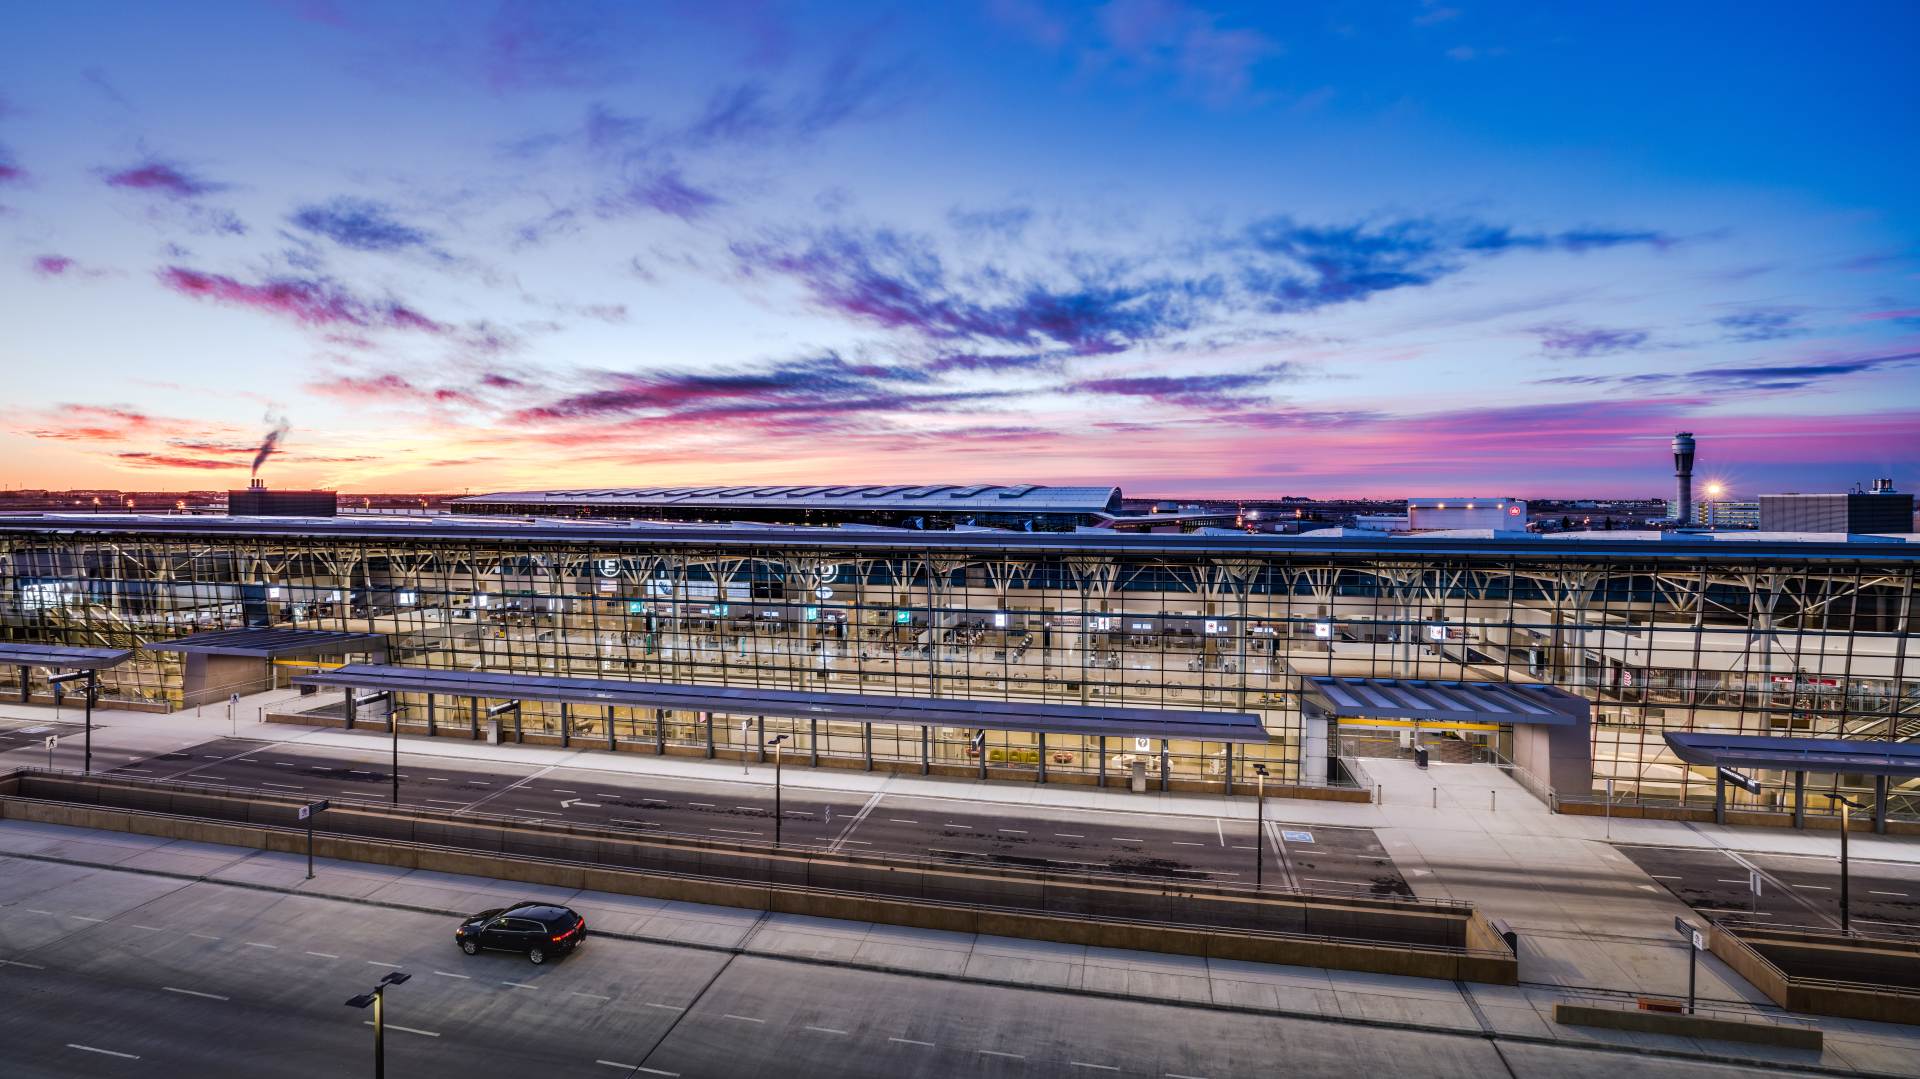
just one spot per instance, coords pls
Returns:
(1844, 755)
(977, 498)
(1431, 699)
(60, 656)
(1032, 716)
(267, 643)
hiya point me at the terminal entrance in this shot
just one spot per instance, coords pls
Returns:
(1446, 743)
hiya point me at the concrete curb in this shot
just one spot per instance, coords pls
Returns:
(878, 968)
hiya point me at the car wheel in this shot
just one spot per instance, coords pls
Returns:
(536, 956)
(470, 947)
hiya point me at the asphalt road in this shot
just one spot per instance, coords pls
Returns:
(1309, 857)
(19, 734)
(110, 973)
(1795, 890)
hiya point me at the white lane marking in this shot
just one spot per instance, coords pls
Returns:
(37, 910)
(1015, 831)
(520, 985)
(1220, 831)
(444, 802)
(1185, 843)
(1902, 895)
(998, 1053)
(955, 824)
(18, 963)
(826, 1030)
(1814, 887)
(84, 918)
(589, 996)
(910, 1041)
(855, 821)
(742, 1018)
(193, 993)
(257, 944)
(283, 764)
(409, 1030)
(897, 820)
(1178, 1075)
(378, 963)
(562, 790)
(703, 805)
(664, 1007)
(733, 831)
(284, 786)
(1724, 880)
(751, 809)
(438, 779)
(450, 974)
(148, 928)
(1069, 835)
(324, 955)
(1095, 1067)
(103, 1052)
(203, 936)
(1127, 839)
(858, 842)
(1659, 876)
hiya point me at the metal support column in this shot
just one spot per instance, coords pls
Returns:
(519, 733)
(708, 717)
(660, 731)
(1165, 768)
(26, 682)
(813, 739)
(352, 707)
(1799, 799)
(1040, 758)
(760, 729)
(866, 743)
(1880, 805)
(473, 718)
(926, 750)
(566, 725)
(93, 692)
(1229, 770)
(1719, 796)
(1103, 760)
(432, 725)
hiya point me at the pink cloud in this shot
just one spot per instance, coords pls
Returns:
(310, 301)
(162, 178)
(52, 265)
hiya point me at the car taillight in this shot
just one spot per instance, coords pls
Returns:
(562, 936)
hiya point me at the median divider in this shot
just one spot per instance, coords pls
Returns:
(1417, 938)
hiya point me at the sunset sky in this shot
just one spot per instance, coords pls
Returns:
(1383, 248)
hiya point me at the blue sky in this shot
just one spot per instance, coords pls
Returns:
(1386, 248)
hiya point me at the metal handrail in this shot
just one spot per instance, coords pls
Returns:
(1137, 882)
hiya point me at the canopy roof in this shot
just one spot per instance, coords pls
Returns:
(1849, 756)
(269, 643)
(62, 656)
(1453, 702)
(802, 704)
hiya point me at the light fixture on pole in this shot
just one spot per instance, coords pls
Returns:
(1846, 804)
(1259, 826)
(91, 689)
(775, 742)
(377, 999)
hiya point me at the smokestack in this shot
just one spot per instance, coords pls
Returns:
(269, 443)
(1683, 477)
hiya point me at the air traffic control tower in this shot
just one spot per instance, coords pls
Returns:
(1683, 477)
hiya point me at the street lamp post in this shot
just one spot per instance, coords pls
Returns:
(377, 998)
(775, 742)
(1259, 826)
(1845, 805)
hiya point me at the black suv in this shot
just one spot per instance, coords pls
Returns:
(541, 930)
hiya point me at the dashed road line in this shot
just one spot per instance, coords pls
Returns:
(520, 985)
(409, 1030)
(193, 993)
(998, 1053)
(257, 944)
(324, 955)
(664, 1007)
(1092, 1067)
(18, 963)
(742, 1018)
(378, 963)
(450, 974)
(1069, 835)
(589, 996)
(911, 1041)
(102, 1052)
(826, 1030)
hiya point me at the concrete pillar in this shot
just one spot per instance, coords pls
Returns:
(1228, 774)
(566, 726)
(866, 744)
(611, 743)
(760, 728)
(432, 726)
(813, 740)
(473, 718)
(660, 731)
(1103, 760)
(352, 705)
(1799, 799)
(1719, 797)
(707, 718)
(1880, 805)
(1166, 768)
(926, 751)
(1040, 758)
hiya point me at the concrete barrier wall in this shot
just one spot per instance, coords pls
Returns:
(1690, 1026)
(1755, 960)
(1749, 818)
(1410, 961)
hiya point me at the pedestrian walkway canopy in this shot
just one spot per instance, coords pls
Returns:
(60, 656)
(262, 642)
(1437, 702)
(1030, 716)
(1842, 756)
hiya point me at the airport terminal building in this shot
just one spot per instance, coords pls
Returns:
(1812, 635)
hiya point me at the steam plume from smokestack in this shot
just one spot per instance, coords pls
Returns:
(269, 443)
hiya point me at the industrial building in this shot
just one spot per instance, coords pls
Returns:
(258, 500)
(1746, 633)
(1881, 509)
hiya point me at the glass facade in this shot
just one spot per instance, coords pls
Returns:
(1758, 638)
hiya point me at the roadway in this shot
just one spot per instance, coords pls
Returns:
(1310, 857)
(1795, 889)
(111, 973)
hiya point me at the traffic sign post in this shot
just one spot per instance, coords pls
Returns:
(1696, 943)
(233, 703)
(52, 740)
(307, 813)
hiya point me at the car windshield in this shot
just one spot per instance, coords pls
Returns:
(484, 915)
